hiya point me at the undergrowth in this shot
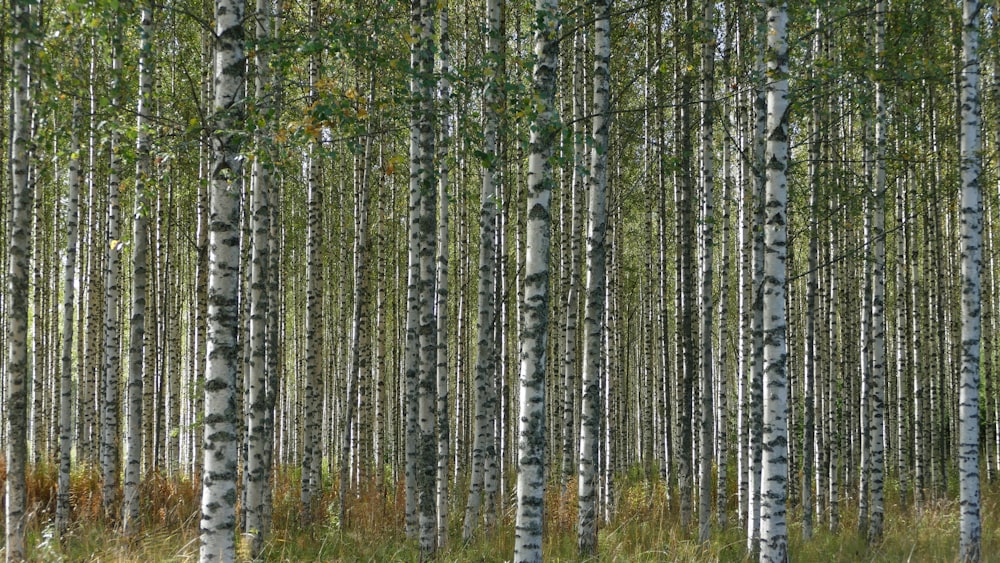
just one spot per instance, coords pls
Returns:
(646, 526)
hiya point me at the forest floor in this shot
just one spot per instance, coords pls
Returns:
(646, 529)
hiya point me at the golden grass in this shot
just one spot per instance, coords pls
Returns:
(647, 528)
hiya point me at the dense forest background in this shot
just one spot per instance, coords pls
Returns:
(468, 256)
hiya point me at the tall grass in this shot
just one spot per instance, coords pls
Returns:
(646, 527)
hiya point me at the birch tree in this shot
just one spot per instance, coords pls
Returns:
(258, 434)
(592, 412)
(875, 430)
(535, 332)
(970, 237)
(69, 296)
(484, 390)
(441, 275)
(18, 265)
(110, 448)
(218, 514)
(774, 468)
(706, 434)
(756, 414)
(312, 450)
(427, 323)
(140, 248)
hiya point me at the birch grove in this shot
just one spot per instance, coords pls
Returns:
(474, 280)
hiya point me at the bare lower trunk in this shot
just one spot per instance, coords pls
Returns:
(535, 332)
(774, 468)
(20, 238)
(218, 503)
(971, 235)
(140, 247)
(592, 412)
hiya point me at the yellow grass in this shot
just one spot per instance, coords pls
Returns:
(646, 527)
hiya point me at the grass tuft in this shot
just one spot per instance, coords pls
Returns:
(647, 528)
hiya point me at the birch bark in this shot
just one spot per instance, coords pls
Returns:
(592, 411)
(140, 249)
(18, 267)
(534, 335)
(971, 235)
(218, 510)
(774, 468)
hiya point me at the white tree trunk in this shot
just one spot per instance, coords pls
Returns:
(110, 447)
(18, 266)
(69, 290)
(971, 235)
(427, 325)
(706, 434)
(774, 469)
(140, 248)
(876, 478)
(483, 449)
(441, 274)
(534, 335)
(756, 400)
(592, 412)
(312, 423)
(258, 433)
(218, 514)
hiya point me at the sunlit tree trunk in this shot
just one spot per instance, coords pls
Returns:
(441, 273)
(971, 235)
(706, 434)
(110, 446)
(358, 360)
(218, 514)
(686, 270)
(484, 390)
(756, 399)
(312, 444)
(810, 349)
(774, 467)
(258, 434)
(570, 363)
(411, 357)
(427, 378)
(69, 296)
(876, 507)
(534, 335)
(20, 239)
(592, 411)
(140, 248)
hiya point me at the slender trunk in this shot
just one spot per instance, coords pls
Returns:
(110, 447)
(18, 266)
(218, 514)
(427, 378)
(358, 362)
(312, 450)
(810, 348)
(971, 234)
(66, 367)
(258, 434)
(878, 380)
(441, 359)
(570, 353)
(483, 448)
(774, 469)
(140, 248)
(756, 414)
(707, 243)
(592, 412)
(535, 332)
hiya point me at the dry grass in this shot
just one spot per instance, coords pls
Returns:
(647, 528)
